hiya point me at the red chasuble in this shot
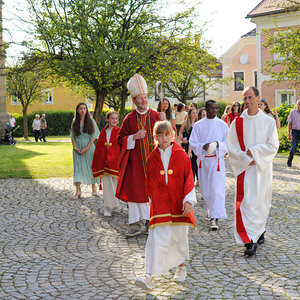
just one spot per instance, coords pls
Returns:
(167, 200)
(131, 184)
(106, 155)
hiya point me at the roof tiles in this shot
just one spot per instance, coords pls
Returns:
(267, 7)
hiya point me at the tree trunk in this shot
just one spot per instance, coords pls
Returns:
(99, 107)
(25, 123)
(124, 94)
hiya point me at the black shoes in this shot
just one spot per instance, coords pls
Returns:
(250, 249)
(289, 162)
(261, 239)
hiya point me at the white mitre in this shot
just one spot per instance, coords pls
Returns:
(137, 86)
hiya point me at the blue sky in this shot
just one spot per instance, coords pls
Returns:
(225, 22)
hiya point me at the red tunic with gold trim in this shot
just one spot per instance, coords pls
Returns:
(167, 200)
(106, 155)
(131, 184)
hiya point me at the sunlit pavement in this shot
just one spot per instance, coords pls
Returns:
(53, 247)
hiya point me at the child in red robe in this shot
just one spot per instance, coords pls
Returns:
(170, 185)
(105, 161)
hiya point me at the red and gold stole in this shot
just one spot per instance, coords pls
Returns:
(147, 143)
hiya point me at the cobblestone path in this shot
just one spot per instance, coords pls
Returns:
(53, 247)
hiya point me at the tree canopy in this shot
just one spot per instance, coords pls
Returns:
(25, 81)
(101, 44)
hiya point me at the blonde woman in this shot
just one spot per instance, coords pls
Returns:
(264, 106)
(184, 135)
(225, 114)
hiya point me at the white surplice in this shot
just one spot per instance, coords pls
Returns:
(168, 246)
(261, 138)
(211, 181)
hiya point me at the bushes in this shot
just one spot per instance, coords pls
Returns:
(221, 106)
(283, 112)
(284, 143)
(58, 122)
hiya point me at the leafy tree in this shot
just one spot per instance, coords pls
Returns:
(100, 44)
(25, 82)
(286, 45)
(187, 67)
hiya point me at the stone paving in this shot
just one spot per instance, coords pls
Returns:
(53, 247)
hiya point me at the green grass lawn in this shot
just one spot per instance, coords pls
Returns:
(36, 160)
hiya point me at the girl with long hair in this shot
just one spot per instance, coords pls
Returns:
(167, 109)
(84, 131)
(201, 113)
(184, 135)
(179, 117)
(235, 112)
(264, 106)
(225, 114)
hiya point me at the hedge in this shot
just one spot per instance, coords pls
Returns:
(284, 143)
(58, 122)
(283, 111)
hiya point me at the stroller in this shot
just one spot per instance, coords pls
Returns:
(6, 138)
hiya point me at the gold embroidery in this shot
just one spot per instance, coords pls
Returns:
(160, 216)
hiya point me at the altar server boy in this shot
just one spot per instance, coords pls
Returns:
(105, 161)
(170, 186)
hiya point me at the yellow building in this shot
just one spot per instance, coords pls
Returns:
(52, 99)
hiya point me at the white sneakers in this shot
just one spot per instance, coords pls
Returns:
(180, 274)
(144, 282)
(106, 212)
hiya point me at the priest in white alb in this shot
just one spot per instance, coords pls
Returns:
(252, 144)
(208, 141)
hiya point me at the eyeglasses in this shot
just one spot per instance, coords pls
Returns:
(249, 98)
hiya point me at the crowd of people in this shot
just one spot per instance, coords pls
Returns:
(153, 159)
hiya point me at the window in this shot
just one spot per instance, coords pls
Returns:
(238, 81)
(47, 97)
(285, 96)
(15, 100)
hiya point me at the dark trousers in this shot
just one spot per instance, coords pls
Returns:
(194, 165)
(36, 135)
(12, 133)
(43, 135)
(295, 141)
